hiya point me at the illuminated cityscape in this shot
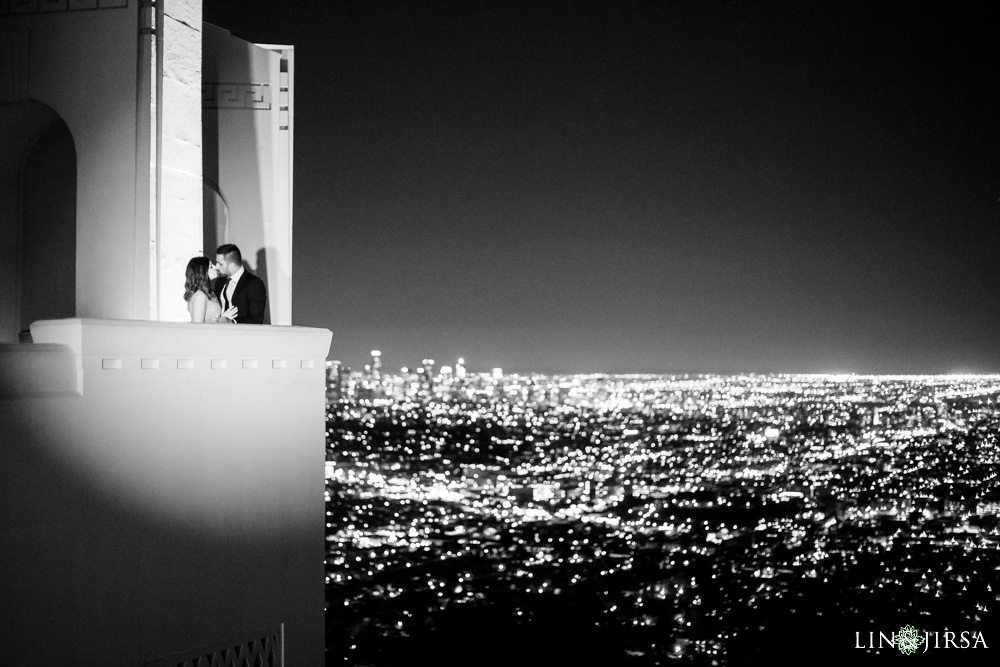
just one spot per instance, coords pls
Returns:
(642, 520)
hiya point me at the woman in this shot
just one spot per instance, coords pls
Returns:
(201, 300)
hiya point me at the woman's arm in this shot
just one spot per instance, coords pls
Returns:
(198, 306)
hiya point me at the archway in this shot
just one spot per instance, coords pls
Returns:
(37, 217)
(215, 212)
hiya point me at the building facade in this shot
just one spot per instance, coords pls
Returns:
(161, 481)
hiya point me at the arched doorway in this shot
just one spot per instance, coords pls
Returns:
(215, 218)
(38, 218)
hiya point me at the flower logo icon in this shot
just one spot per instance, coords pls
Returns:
(908, 639)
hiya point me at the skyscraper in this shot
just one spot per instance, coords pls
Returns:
(427, 375)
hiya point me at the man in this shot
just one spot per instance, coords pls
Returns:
(237, 287)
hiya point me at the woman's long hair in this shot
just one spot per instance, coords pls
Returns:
(197, 278)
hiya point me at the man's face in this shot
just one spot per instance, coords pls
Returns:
(221, 266)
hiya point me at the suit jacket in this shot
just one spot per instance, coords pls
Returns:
(250, 297)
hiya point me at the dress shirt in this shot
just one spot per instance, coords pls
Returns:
(231, 287)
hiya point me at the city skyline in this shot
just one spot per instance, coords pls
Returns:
(653, 188)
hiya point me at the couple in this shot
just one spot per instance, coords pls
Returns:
(242, 294)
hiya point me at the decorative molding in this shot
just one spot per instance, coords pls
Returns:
(267, 650)
(199, 364)
(147, 17)
(22, 7)
(284, 93)
(253, 96)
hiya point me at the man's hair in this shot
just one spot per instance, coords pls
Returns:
(231, 253)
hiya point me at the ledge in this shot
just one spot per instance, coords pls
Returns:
(142, 338)
(28, 370)
(66, 352)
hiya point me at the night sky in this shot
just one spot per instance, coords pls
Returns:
(645, 187)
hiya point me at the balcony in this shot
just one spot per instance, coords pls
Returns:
(162, 487)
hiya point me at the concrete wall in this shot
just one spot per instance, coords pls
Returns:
(179, 157)
(83, 64)
(126, 79)
(248, 127)
(161, 484)
(162, 487)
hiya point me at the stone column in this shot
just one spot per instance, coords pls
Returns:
(179, 168)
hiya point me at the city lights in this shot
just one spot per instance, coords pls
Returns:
(698, 509)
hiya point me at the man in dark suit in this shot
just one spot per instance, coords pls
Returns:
(237, 287)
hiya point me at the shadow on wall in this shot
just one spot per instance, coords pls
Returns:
(38, 217)
(48, 241)
(261, 273)
(84, 554)
(215, 213)
(161, 487)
